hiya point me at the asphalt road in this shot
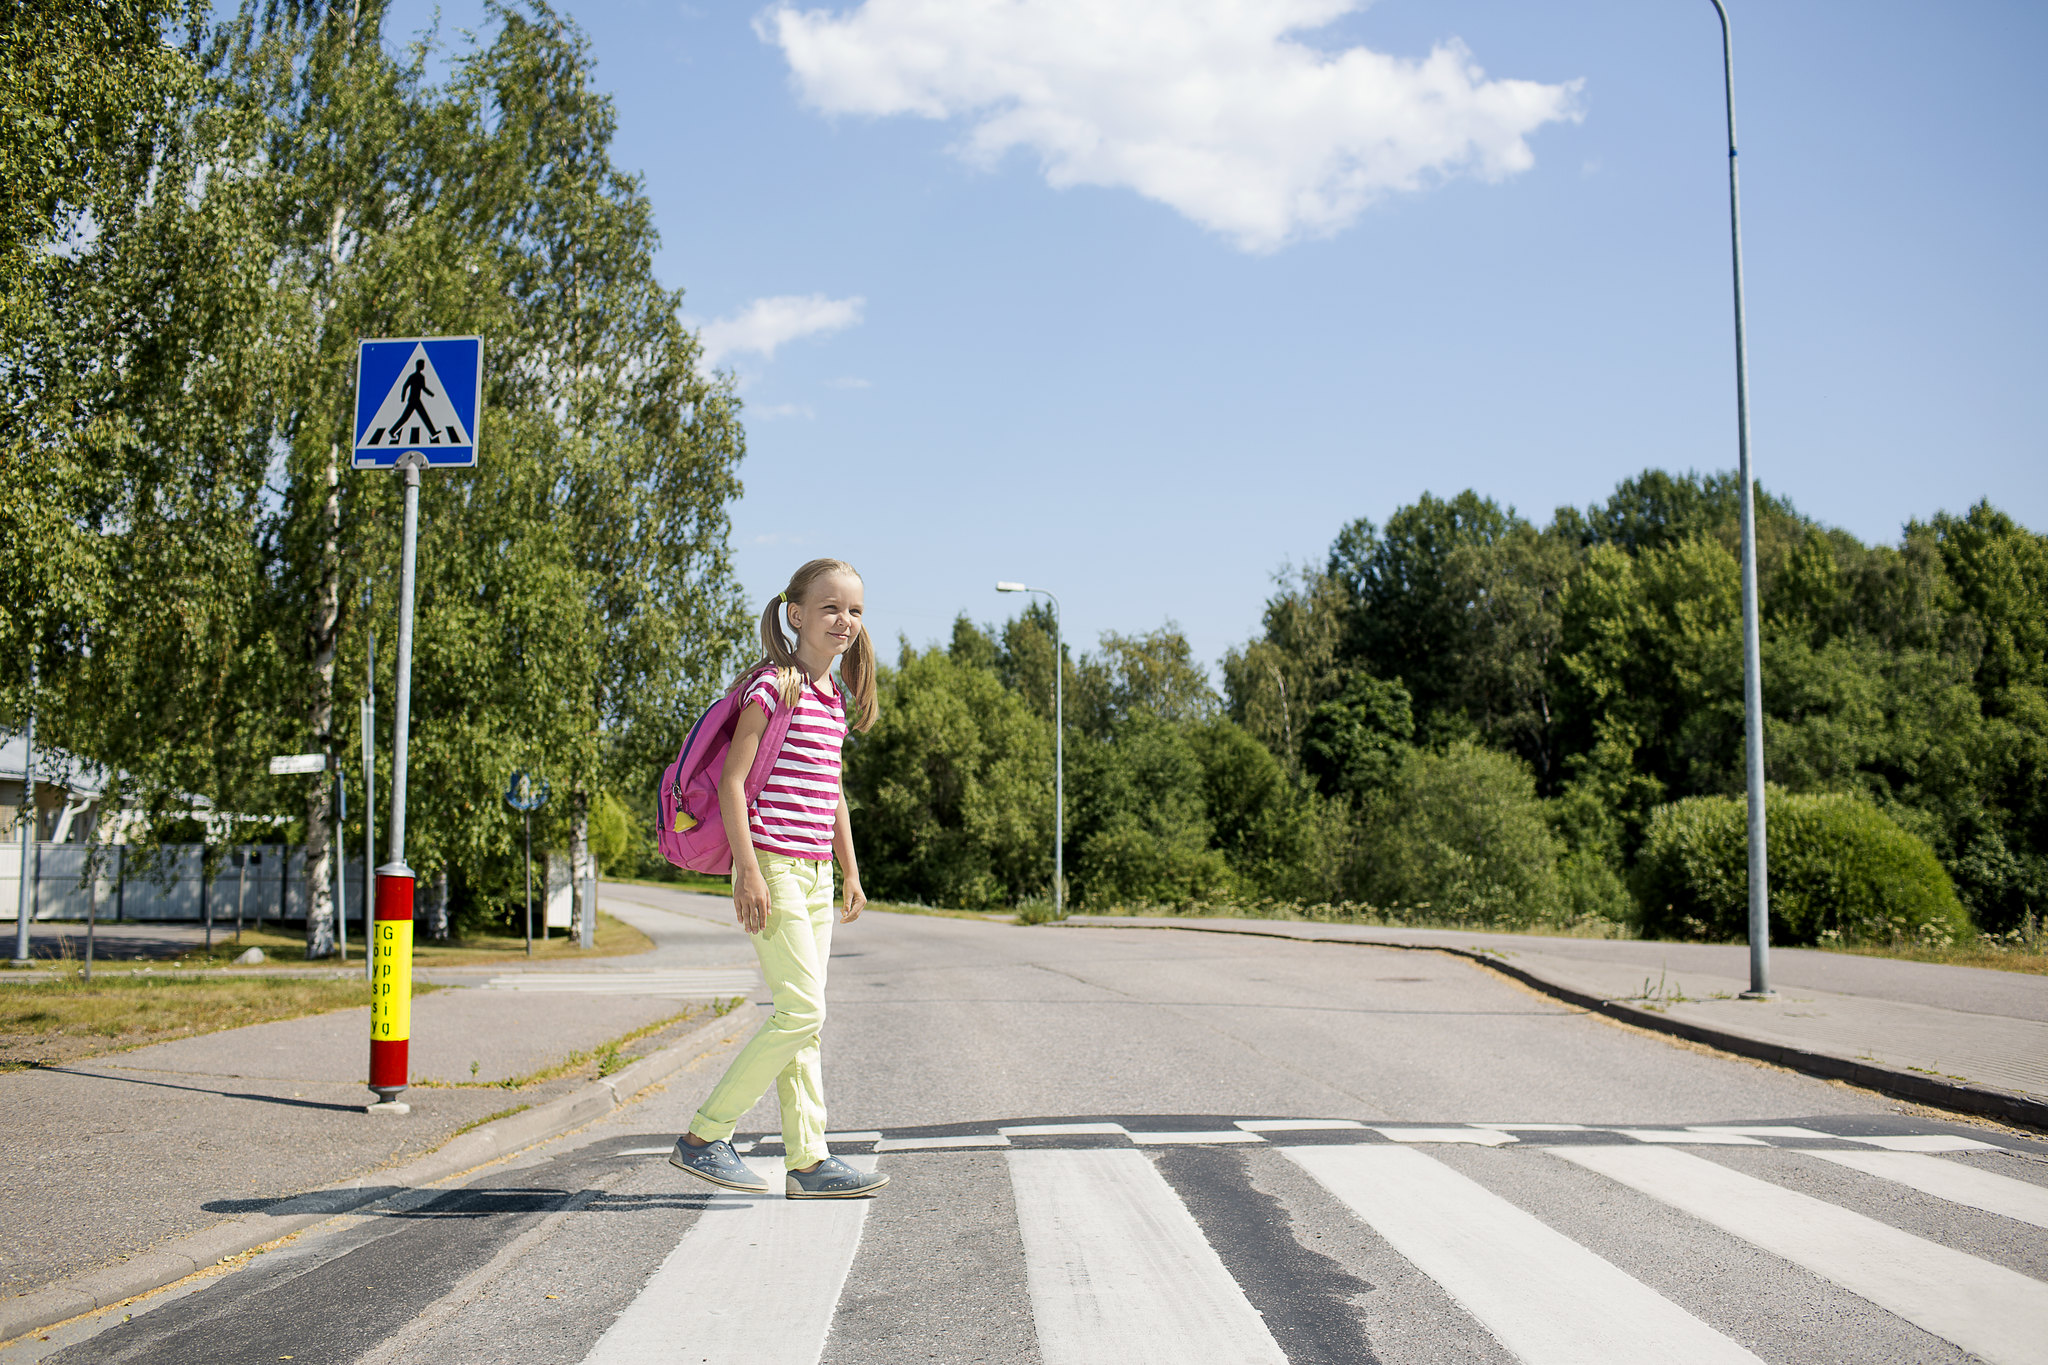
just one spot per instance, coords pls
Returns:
(1490, 1176)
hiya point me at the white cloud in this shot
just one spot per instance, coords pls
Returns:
(765, 324)
(1213, 107)
(849, 382)
(771, 411)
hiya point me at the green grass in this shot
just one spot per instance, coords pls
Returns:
(490, 1118)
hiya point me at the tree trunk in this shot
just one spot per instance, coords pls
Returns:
(437, 908)
(320, 720)
(579, 862)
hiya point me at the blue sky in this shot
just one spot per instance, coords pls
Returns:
(1140, 300)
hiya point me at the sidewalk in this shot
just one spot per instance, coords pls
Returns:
(1964, 1038)
(119, 1157)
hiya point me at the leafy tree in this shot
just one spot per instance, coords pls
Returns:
(1463, 833)
(953, 786)
(1354, 743)
(1138, 825)
(1273, 683)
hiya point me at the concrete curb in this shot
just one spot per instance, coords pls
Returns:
(2004, 1105)
(139, 1274)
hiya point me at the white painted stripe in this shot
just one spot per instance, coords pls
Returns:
(1690, 1137)
(1298, 1125)
(1481, 1137)
(1193, 1139)
(1547, 1299)
(1059, 1129)
(646, 1151)
(1997, 1313)
(853, 1137)
(933, 1143)
(1970, 1186)
(1765, 1130)
(1534, 1127)
(1119, 1269)
(755, 1281)
(1926, 1142)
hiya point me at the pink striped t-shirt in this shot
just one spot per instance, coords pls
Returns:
(799, 806)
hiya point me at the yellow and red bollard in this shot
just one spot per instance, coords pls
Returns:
(391, 987)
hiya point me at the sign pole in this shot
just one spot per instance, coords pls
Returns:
(341, 861)
(31, 834)
(391, 974)
(369, 794)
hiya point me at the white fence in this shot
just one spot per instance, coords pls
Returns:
(169, 887)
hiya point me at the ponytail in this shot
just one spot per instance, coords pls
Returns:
(778, 653)
(857, 665)
(857, 676)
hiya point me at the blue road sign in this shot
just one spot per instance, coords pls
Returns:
(526, 793)
(421, 394)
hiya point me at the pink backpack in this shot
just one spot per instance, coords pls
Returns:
(692, 829)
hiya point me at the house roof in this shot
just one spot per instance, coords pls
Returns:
(53, 766)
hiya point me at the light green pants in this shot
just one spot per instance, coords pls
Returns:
(793, 947)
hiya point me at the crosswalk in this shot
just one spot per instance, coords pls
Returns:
(1122, 1265)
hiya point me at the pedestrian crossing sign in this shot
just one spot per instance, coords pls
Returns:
(418, 395)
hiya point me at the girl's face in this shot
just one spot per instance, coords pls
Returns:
(828, 621)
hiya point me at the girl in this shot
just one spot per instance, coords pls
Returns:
(782, 852)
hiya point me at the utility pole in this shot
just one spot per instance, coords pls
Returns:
(31, 846)
(1752, 658)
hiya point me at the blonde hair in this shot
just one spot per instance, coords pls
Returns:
(856, 667)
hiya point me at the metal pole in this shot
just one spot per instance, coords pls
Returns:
(406, 560)
(391, 973)
(589, 939)
(1752, 660)
(340, 861)
(241, 891)
(29, 832)
(529, 883)
(1059, 765)
(369, 793)
(92, 909)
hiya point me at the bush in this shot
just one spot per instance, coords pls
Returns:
(1464, 833)
(1839, 868)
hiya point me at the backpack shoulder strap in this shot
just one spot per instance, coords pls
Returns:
(771, 749)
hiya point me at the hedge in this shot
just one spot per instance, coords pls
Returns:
(1839, 868)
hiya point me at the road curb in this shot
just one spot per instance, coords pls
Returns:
(107, 1285)
(1964, 1096)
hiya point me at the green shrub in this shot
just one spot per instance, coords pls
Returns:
(1464, 833)
(1839, 868)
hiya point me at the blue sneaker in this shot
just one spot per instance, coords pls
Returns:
(832, 1179)
(718, 1163)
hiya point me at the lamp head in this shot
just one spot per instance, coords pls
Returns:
(1011, 587)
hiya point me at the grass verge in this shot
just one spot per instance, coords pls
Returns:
(48, 1023)
(490, 1118)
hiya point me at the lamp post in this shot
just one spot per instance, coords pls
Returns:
(1752, 662)
(1059, 755)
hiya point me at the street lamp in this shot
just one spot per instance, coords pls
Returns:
(1752, 663)
(1059, 755)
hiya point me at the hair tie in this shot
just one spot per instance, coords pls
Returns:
(782, 597)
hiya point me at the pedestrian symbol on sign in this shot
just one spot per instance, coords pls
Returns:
(418, 394)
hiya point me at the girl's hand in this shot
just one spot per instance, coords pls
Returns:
(856, 901)
(750, 897)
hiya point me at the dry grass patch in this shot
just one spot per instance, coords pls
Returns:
(46, 1023)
